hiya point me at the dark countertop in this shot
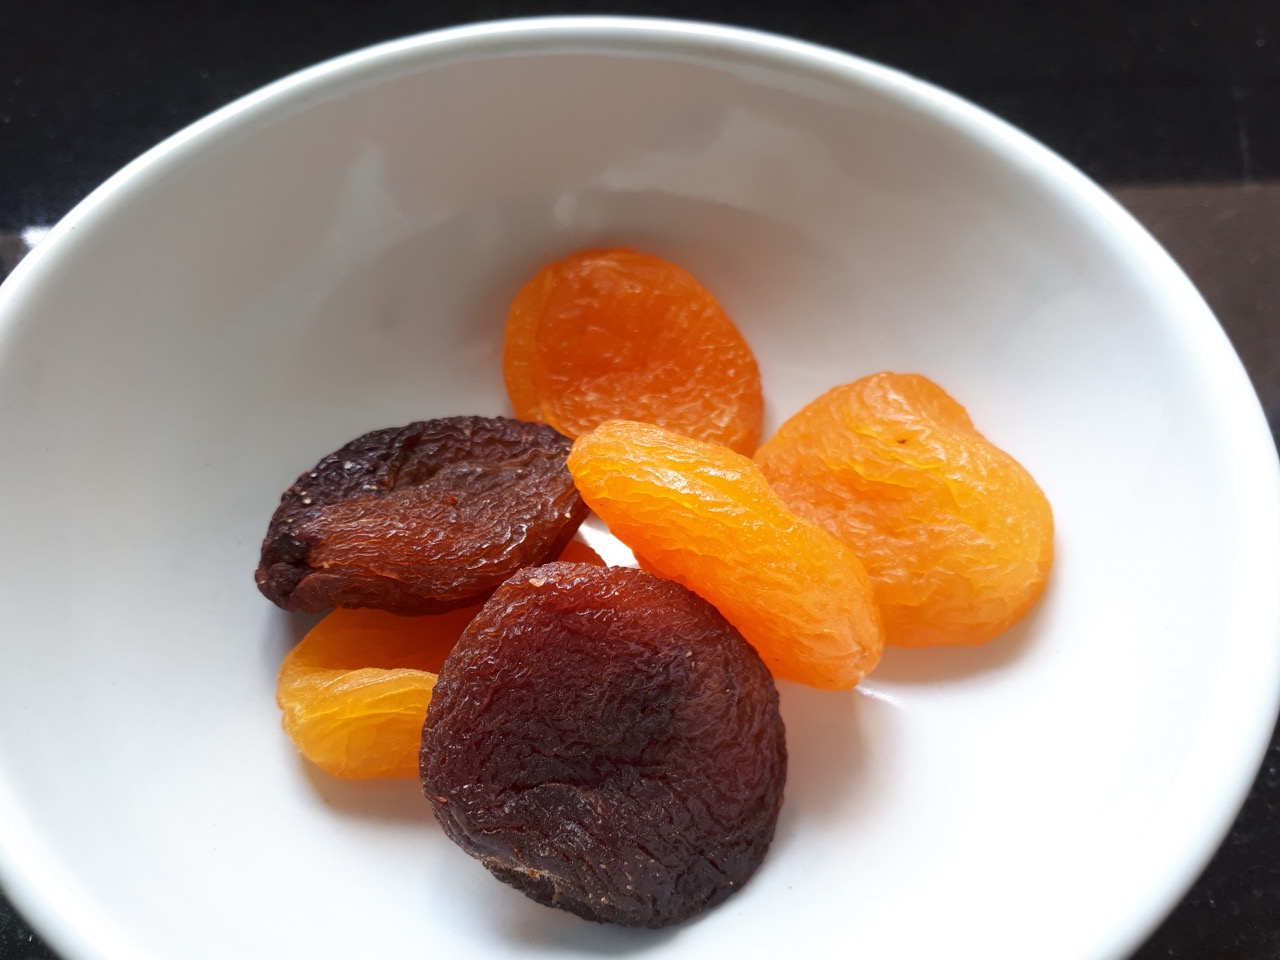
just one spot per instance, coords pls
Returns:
(1172, 105)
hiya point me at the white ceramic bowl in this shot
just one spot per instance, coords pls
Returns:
(335, 253)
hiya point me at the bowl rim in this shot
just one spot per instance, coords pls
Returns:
(65, 918)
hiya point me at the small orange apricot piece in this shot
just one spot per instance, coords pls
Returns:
(956, 535)
(616, 334)
(355, 690)
(704, 516)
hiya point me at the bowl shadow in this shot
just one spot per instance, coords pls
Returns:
(928, 665)
(288, 629)
(827, 752)
(387, 800)
(561, 932)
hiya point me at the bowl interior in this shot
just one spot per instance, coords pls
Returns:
(336, 254)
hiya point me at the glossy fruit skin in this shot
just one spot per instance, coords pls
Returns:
(704, 516)
(618, 334)
(422, 518)
(955, 533)
(606, 742)
(354, 691)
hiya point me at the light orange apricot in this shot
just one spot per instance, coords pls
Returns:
(955, 533)
(704, 516)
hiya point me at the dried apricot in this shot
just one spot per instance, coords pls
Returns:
(422, 518)
(956, 535)
(704, 516)
(355, 690)
(604, 741)
(616, 334)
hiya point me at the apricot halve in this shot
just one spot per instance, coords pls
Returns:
(704, 516)
(354, 691)
(607, 743)
(422, 518)
(956, 535)
(616, 334)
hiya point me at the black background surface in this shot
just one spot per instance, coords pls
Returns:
(1135, 91)
(1142, 96)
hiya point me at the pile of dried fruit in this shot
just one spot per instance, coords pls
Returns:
(607, 739)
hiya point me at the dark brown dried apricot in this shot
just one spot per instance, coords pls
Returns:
(606, 742)
(422, 518)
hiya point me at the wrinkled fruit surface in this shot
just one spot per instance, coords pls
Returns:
(956, 535)
(607, 743)
(421, 519)
(616, 334)
(705, 517)
(355, 690)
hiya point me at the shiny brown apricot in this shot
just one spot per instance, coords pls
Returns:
(606, 742)
(422, 518)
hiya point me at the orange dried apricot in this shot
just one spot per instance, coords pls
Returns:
(956, 535)
(355, 690)
(704, 516)
(616, 334)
